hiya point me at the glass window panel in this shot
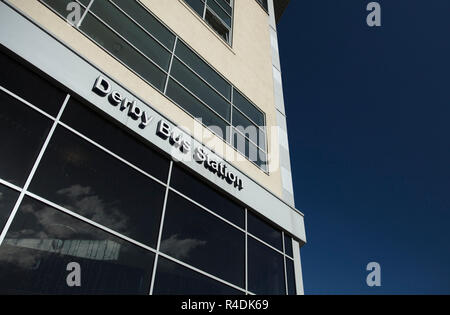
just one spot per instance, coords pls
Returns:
(30, 86)
(226, 6)
(122, 51)
(8, 198)
(290, 274)
(22, 134)
(264, 231)
(42, 241)
(185, 100)
(203, 69)
(193, 83)
(288, 245)
(78, 176)
(115, 139)
(217, 9)
(264, 4)
(247, 128)
(265, 269)
(147, 21)
(248, 108)
(250, 150)
(174, 279)
(204, 194)
(217, 25)
(198, 238)
(197, 5)
(131, 32)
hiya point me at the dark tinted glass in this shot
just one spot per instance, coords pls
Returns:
(203, 69)
(202, 193)
(264, 4)
(60, 6)
(288, 245)
(250, 130)
(42, 241)
(264, 231)
(147, 21)
(28, 85)
(290, 274)
(225, 5)
(265, 269)
(124, 52)
(193, 83)
(217, 9)
(196, 5)
(114, 18)
(174, 279)
(217, 25)
(107, 134)
(248, 149)
(248, 108)
(8, 198)
(196, 237)
(185, 100)
(75, 174)
(22, 134)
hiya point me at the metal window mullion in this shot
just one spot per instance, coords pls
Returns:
(202, 79)
(258, 147)
(285, 266)
(231, 116)
(207, 209)
(218, 17)
(127, 42)
(170, 66)
(204, 9)
(88, 221)
(267, 244)
(33, 170)
(199, 99)
(161, 224)
(126, 162)
(84, 14)
(141, 27)
(224, 10)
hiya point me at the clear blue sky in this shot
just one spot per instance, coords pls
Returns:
(369, 127)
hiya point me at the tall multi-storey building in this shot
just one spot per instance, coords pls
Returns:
(144, 149)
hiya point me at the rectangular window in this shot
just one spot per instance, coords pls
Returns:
(42, 241)
(130, 33)
(217, 13)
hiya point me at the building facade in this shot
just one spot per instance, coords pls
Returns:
(144, 149)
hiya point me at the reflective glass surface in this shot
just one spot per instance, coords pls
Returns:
(109, 135)
(147, 21)
(123, 51)
(207, 196)
(75, 174)
(134, 34)
(42, 241)
(196, 237)
(288, 245)
(22, 134)
(172, 278)
(193, 106)
(264, 231)
(265, 269)
(8, 198)
(290, 274)
(203, 69)
(194, 84)
(18, 79)
(248, 108)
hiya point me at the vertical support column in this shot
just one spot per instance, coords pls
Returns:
(298, 268)
(285, 162)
